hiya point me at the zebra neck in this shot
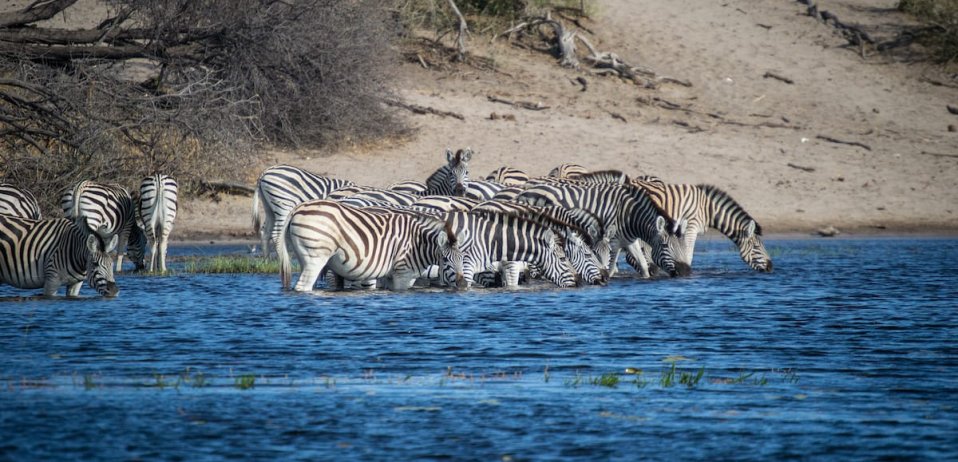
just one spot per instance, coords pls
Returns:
(723, 213)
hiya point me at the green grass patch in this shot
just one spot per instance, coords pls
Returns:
(223, 264)
(245, 382)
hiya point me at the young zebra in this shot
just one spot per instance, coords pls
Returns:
(361, 245)
(107, 209)
(155, 214)
(627, 214)
(508, 176)
(18, 202)
(450, 179)
(281, 188)
(568, 171)
(487, 239)
(50, 253)
(706, 206)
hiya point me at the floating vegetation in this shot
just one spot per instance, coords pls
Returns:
(245, 382)
(231, 264)
(610, 380)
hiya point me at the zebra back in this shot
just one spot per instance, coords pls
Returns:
(730, 218)
(280, 188)
(508, 176)
(157, 203)
(446, 203)
(415, 188)
(482, 190)
(18, 202)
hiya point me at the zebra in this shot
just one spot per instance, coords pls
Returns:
(707, 206)
(155, 214)
(375, 194)
(599, 177)
(508, 193)
(18, 202)
(568, 171)
(281, 188)
(450, 179)
(361, 245)
(107, 209)
(628, 214)
(416, 188)
(486, 239)
(481, 190)
(445, 203)
(54, 252)
(508, 176)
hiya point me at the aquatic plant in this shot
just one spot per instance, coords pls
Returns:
(245, 382)
(231, 264)
(610, 380)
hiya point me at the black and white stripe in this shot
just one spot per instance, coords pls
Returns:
(627, 215)
(568, 171)
(482, 190)
(446, 203)
(450, 179)
(18, 202)
(54, 252)
(508, 176)
(107, 210)
(416, 188)
(156, 213)
(387, 196)
(362, 245)
(281, 188)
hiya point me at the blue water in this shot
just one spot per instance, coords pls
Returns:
(847, 351)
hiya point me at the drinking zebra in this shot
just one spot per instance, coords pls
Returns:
(50, 253)
(18, 202)
(707, 206)
(450, 179)
(361, 245)
(108, 210)
(487, 239)
(508, 176)
(627, 215)
(155, 214)
(281, 188)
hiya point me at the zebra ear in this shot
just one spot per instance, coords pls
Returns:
(111, 245)
(679, 227)
(661, 225)
(91, 243)
(450, 156)
(465, 155)
(750, 229)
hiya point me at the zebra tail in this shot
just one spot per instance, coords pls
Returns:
(256, 198)
(77, 190)
(285, 267)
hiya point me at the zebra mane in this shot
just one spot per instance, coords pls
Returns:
(717, 194)
(539, 218)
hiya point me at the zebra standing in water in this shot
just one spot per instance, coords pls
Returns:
(487, 239)
(360, 245)
(155, 214)
(18, 202)
(281, 188)
(707, 206)
(50, 253)
(450, 179)
(107, 209)
(627, 214)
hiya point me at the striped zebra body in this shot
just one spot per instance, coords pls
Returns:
(508, 193)
(487, 239)
(107, 210)
(481, 190)
(54, 252)
(374, 194)
(508, 176)
(281, 188)
(707, 206)
(627, 214)
(415, 188)
(568, 171)
(450, 179)
(360, 245)
(446, 203)
(156, 213)
(18, 202)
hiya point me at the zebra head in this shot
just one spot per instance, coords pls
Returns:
(451, 257)
(99, 268)
(588, 267)
(668, 247)
(555, 264)
(751, 247)
(458, 170)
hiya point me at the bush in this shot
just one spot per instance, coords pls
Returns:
(942, 17)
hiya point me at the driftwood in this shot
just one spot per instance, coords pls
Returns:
(806, 169)
(952, 109)
(838, 141)
(537, 106)
(417, 109)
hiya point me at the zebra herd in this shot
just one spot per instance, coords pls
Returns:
(100, 221)
(568, 227)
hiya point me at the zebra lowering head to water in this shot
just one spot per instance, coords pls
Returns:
(487, 239)
(156, 212)
(627, 215)
(706, 206)
(450, 179)
(361, 245)
(18, 202)
(50, 253)
(107, 210)
(281, 188)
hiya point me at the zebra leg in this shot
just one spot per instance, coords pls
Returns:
(164, 239)
(312, 268)
(635, 251)
(73, 290)
(510, 271)
(614, 262)
(400, 282)
(152, 240)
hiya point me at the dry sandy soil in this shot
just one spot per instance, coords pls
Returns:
(905, 181)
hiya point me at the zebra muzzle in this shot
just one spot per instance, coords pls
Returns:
(681, 269)
(110, 290)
